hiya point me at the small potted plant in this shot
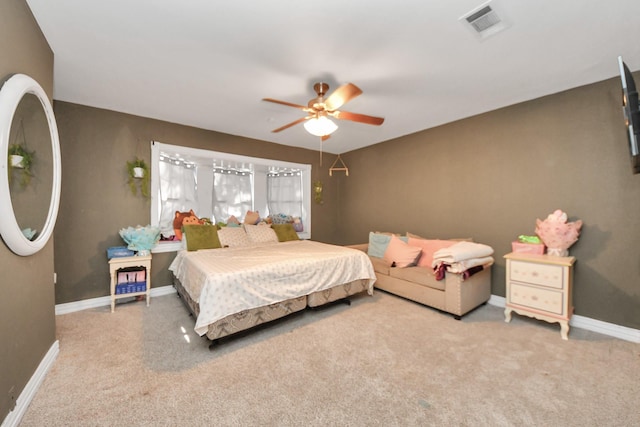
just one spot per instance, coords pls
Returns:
(138, 171)
(21, 158)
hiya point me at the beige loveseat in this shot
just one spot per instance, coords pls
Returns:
(453, 294)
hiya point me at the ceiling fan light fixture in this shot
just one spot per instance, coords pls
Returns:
(320, 126)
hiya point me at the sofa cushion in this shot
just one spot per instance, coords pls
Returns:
(400, 254)
(428, 246)
(458, 239)
(420, 275)
(380, 265)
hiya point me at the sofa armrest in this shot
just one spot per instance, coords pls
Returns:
(364, 247)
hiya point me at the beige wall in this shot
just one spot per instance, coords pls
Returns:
(96, 202)
(27, 321)
(490, 176)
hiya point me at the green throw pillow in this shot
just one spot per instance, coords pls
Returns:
(201, 237)
(285, 232)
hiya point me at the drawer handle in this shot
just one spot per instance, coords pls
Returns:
(534, 297)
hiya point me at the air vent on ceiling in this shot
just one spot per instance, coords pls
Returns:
(484, 21)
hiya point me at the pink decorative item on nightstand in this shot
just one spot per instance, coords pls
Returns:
(558, 234)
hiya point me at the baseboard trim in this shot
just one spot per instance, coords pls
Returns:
(70, 307)
(577, 321)
(24, 400)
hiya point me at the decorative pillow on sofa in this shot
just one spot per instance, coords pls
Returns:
(428, 248)
(233, 237)
(378, 242)
(461, 239)
(400, 253)
(201, 237)
(261, 233)
(285, 232)
(415, 236)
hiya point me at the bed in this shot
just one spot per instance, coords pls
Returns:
(229, 290)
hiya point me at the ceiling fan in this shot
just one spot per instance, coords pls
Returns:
(320, 109)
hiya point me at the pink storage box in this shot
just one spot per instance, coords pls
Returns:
(527, 248)
(131, 276)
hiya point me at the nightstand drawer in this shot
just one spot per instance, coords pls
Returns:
(541, 299)
(537, 274)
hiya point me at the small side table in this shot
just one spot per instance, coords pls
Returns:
(540, 286)
(116, 264)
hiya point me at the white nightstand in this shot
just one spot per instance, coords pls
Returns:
(116, 264)
(539, 286)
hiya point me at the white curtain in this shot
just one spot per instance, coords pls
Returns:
(232, 194)
(284, 193)
(177, 192)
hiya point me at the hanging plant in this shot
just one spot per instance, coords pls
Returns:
(317, 192)
(21, 159)
(138, 172)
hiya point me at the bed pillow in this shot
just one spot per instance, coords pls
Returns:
(428, 247)
(285, 232)
(233, 237)
(201, 237)
(400, 254)
(261, 233)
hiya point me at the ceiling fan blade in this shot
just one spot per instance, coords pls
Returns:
(290, 124)
(288, 104)
(341, 96)
(360, 118)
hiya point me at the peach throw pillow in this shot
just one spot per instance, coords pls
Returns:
(400, 253)
(428, 247)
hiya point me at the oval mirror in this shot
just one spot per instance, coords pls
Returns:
(30, 183)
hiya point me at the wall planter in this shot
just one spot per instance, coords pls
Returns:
(21, 159)
(139, 176)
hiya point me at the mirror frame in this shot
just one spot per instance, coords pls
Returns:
(11, 93)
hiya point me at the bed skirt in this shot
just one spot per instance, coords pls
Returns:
(337, 292)
(247, 319)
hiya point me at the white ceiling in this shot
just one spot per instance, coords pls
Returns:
(208, 63)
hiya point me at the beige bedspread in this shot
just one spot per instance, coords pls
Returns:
(229, 280)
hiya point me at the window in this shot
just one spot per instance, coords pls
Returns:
(232, 193)
(176, 190)
(284, 192)
(217, 185)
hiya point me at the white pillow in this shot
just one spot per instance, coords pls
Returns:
(261, 233)
(233, 237)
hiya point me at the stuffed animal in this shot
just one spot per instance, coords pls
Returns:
(184, 218)
(233, 221)
(252, 217)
